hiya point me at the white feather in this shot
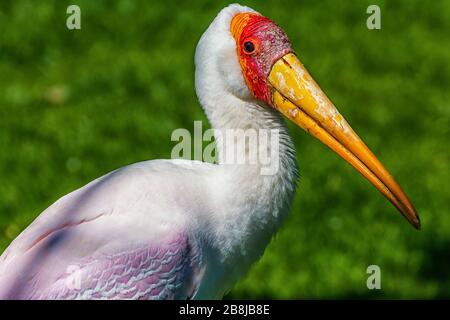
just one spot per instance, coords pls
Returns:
(231, 211)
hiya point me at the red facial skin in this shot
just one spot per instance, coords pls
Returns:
(270, 42)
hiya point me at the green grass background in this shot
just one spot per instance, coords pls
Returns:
(75, 105)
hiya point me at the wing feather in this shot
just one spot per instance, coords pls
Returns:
(107, 240)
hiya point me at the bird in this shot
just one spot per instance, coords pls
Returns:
(188, 229)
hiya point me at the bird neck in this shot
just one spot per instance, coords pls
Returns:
(252, 198)
(256, 160)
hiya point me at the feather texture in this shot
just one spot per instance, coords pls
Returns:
(165, 228)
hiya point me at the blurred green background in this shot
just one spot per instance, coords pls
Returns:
(75, 105)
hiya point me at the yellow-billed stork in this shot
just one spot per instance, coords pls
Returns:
(165, 229)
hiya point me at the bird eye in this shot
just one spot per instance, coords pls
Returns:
(249, 47)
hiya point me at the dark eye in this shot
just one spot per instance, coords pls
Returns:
(249, 47)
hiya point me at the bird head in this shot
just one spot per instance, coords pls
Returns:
(257, 62)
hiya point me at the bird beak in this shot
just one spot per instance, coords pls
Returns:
(298, 97)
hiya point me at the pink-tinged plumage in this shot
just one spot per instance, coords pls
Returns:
(161, 271)
(165, 228)
(113, 257)
(176, 229)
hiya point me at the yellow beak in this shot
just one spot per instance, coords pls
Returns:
(298, 97)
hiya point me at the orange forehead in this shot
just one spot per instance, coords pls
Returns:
(238, 23)
(243, 20)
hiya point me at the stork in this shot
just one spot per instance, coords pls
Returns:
(181, 229)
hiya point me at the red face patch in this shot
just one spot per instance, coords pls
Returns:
(260, 43)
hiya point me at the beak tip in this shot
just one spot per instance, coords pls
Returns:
(417, 223)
